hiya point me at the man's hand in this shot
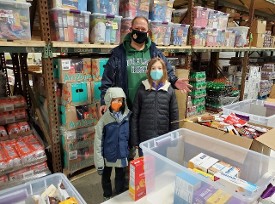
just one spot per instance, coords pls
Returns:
(100, 171)
(183, 85)
(102, 109)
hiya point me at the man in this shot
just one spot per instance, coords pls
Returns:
(127, 65)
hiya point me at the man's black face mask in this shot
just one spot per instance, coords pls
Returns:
(139, 36)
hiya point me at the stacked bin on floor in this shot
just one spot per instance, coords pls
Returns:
(78, 111)
(105, 21)
(70, 21)
(198, 93)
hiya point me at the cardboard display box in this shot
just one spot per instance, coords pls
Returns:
(98, 68)
(74, 117)
(96, 92)
(77, 93)
(262, 144)
(258, 26)
(72, 70)
(258, 40)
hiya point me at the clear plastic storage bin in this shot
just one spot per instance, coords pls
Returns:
(14, 20)
(133, 8)
(105, 29)
(200, 16)
(69, 4)
(126, 24)
(167, 156)
(161, 10)
(252, 110)
(161, 32)
(179, 34)
(37, 187)
(110, 7)
(70, 25)
(241, 35)
(199, 36)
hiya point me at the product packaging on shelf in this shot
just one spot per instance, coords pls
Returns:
(199, 36)
(161, 32)
(126, 24)
(76, 93)
(72, 70)
(74, 117)
(98, 68)
(13, 116)
(105, 29)
(95, 88)
(241, 35)
(110, 7)
(133, 8)
(200, 16)
(70, 25)
(12, 102)
(80, 5)
(15, 20)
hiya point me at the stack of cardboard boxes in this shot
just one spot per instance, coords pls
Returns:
(258, 30)
(78, 96)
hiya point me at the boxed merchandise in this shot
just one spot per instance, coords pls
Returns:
(218, 197)
(221, 38)
(199, 36)
(126, 24)
(230, 37)
(15, 20)
(213, 19)
(4, 179)
(13, 116)
(96, 92)
(241, 35)
(161, 10)
(137, 188)
(76, 93)
(202, 194)
(179, 34)
(78, 159)
(161, 32)
(258, 26)
(133, 8)
(98, 68)
(77, 139)
(80, 5)
(12, 102)
(70, 25)
(258, 40)
(110, 7)
(185, 187)
(223, 20)
(211, 38)
(173, 150)
(105, 29)
(72, 70)
(74, 117)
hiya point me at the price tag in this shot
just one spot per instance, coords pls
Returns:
(66, 64)
(115, 25)
(9, 107)
(71, 135)
(10, 119)
(28, 174)
(73, 155)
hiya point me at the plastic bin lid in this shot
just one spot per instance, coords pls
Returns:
(106, 15)
(15, 3)
(162, 22)
(71, 11)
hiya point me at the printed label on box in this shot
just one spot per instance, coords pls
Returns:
(73, 155)
(28, 174)
(66, 64)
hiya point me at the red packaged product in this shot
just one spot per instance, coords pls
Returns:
(232, 119)
(24, 151)
(12, 155)
(18, 175)
(18, 101)
(3, 159)
(38, 150)
(3, 132)
(19, 114)
(13, 128)
(4, 179)
(39, 167)
(23, 126)
(30, 139)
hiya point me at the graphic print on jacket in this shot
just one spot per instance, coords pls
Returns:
(116, 140)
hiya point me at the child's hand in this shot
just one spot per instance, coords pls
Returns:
(132, 153)
(100, 171)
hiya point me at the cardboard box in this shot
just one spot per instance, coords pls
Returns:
(258, 40)
(137, 188)
(98, 68)
(74, 117)
(96, 92)
(258, 26)
(72, 70)
(262, 144)
(77, 93)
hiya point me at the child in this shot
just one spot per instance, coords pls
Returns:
(155, 105)
(111, 141)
